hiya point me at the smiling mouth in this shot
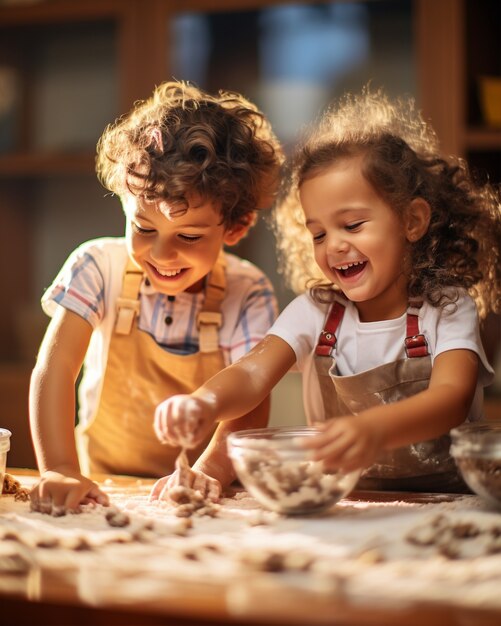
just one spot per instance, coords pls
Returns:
(166, 274)
(349, 270)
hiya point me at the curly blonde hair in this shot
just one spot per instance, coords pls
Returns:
(401, 160)
(183, 142)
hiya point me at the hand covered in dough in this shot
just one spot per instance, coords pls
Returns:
(64, 489)
(346, 442)
(183, 420)
(209, 487)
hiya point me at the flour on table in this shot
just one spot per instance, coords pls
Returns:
(448, 551)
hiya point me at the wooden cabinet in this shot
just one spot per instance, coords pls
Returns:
(456, 42)
(31, 153)
(459, 42)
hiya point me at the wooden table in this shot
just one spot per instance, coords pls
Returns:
(51, 596)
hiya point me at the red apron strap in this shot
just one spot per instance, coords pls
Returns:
(327, 340)
(415, 342)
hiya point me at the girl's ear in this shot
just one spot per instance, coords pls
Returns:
(233, 235)
(417, 219)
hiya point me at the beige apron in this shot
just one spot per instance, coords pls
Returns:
(139, 375)
(423, 466)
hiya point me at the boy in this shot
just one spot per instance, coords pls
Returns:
(160, 311)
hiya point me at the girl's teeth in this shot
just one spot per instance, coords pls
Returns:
(345, 267)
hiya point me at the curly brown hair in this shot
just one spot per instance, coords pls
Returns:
(183, 143)
(401, 160)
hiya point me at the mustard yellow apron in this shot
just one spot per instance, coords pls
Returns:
(139, 375)
(423, 466)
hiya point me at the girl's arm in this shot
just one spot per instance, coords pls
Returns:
(355, 441)
(52, 415)
(213, 470)
(235, 391)
(215, 461)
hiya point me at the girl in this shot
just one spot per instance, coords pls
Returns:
(397, 245)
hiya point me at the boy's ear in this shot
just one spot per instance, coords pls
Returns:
(417, 219)
(233, 235)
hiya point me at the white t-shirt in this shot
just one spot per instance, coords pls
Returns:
(90, 282)
(363, 345)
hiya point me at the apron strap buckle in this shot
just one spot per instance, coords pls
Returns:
(209, 317)
(326, 343)
(416, 346)
(208, 324)
(127, 309)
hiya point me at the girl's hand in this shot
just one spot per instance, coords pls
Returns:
(64, 489)
(183, 420)
(346, 443)
(209, 487)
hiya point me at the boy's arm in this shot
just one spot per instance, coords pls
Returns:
(355, 441)
(52, 413)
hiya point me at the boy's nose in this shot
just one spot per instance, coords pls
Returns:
(163, 250)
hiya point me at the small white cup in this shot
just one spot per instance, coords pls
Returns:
(5, 436)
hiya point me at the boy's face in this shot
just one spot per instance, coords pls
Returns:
(176, 253)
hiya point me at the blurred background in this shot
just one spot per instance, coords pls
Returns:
(69, 68)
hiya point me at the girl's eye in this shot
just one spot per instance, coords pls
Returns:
(142, 231)
(353, 227)
(318, 238)
(190, 238)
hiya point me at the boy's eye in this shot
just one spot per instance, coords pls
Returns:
(353, 226)
(149, 198)
(190, 238)
(142, 231)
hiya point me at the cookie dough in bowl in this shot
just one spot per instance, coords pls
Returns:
(277, 471)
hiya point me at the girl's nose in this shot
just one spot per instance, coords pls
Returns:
(337, 244)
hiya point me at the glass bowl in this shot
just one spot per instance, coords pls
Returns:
(277, 472)
(476, 448)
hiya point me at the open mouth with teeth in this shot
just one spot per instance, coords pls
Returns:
(166, 274)
(349, 270)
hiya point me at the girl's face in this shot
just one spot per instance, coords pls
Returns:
(359, 240)
(176, 253)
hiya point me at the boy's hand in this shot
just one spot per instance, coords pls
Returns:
(183, 420)
(59, 491)
(346, 443)
(209, 487)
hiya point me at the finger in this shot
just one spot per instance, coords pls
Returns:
(45, 505)
(333, 452)
(185, 478)
(158, 488)
(200, 484)
(214, 490)
(160, 422)
(74, 498)
(171, 482)
(98, 496)
(185, 420)
(165, 413)
(320, 440)
(320, 424)
(34, 498)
